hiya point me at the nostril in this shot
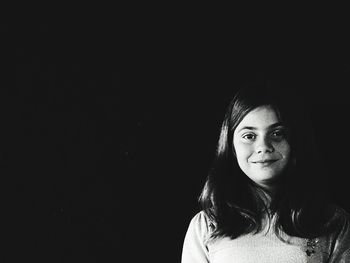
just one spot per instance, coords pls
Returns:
(264, 149)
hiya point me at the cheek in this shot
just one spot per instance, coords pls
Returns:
(242, 151)
(284, 149)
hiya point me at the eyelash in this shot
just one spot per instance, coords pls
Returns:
(248, 134)
(280, 133)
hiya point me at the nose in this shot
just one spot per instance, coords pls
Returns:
(264, 146)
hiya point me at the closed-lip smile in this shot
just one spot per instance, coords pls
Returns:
(265, 161)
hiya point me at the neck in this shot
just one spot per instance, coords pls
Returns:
(267, 193)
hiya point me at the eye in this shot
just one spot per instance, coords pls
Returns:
(278, 134)
(249, 136)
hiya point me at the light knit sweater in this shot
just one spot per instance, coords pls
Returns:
(264, 247)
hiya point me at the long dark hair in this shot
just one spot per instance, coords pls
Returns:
(236, 205)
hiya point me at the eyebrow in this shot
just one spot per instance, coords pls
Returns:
(277, 124)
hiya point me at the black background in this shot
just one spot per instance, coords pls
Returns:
(103, 166)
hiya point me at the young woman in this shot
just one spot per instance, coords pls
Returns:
(263, 200)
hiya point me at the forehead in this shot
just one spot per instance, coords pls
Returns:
(260, 117)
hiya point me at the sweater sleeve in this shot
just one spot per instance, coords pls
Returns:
(194, 247)
(341, 250)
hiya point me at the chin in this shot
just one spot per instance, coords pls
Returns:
(270, 178)
(265, 177)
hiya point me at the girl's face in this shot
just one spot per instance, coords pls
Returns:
(261, 146)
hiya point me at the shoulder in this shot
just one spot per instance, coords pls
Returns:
(339, 219)
(201, 220)
(340, 238)
(201, 224)
(195, 247)
(340, 214)
(340, 225)
(343, 213)
(344, 219)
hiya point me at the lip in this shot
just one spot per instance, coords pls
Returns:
(265, 161)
